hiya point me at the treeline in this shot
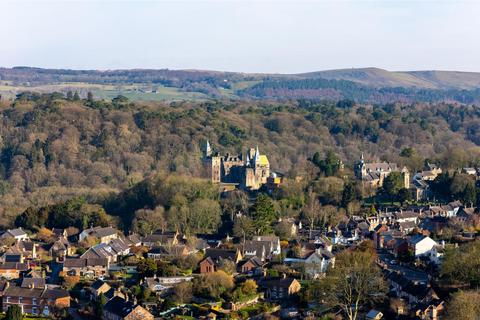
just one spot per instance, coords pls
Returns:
(54, 147)
(343, 89)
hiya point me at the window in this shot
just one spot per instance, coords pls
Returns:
(34, 301)
(8, 300)
(34, 310)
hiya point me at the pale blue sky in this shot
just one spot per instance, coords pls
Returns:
(249, 36)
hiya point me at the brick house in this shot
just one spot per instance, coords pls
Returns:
(207, 265)
(38, 301)
(279, 289)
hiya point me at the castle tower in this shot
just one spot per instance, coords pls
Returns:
(208, 150)
(360, 168)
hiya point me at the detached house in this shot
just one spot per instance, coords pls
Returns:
(421, 245)
(103, 235)
(279, 289)
(17, 234)
(120, 309)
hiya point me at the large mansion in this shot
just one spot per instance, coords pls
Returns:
(249, 172)
(373, 174)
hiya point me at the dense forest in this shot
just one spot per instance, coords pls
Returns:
(54, 147)
(342, 89)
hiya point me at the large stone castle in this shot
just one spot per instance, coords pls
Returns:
(250, 172)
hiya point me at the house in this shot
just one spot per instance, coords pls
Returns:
(111, 251)
(160, 284)
(12, 270)
(101, 234)
(279, 289)
(218, 254)
(167, 252)
(17, 234)
(120, 309)
(207, 265)
(37, 301)
(421, 245)
(85, 267)
(99, 287)
(27, 249)
(61, 249)
(252, 265)
(314, 263)
(274, 243)
(160, 238)
(406, 216)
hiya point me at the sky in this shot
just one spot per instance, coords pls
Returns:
(245, 36)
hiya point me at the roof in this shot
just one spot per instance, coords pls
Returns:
(84, 262)
(417, 238)
(263, 160)
(122, 308)
(217, 254)
(278, 282)
(17, 232)
(38, 283)
(13, 265)
(98, 284)
(16, 291)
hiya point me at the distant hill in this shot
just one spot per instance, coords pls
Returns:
(370, 85)
(376, 77)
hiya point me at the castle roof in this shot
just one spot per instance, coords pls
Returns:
(263, 160)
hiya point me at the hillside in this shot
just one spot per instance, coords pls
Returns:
(376, 77)
(52, 148)
(367, 85)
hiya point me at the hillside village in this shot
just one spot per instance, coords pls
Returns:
(103, 272)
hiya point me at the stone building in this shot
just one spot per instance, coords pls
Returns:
(249, 172)
(373, 174)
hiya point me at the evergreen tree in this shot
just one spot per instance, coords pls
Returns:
(263, 214)
(76, 97)
(14, 312)
(69, 95)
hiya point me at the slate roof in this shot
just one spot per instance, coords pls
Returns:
(38, 283)
(82, 262)
(217, 254)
